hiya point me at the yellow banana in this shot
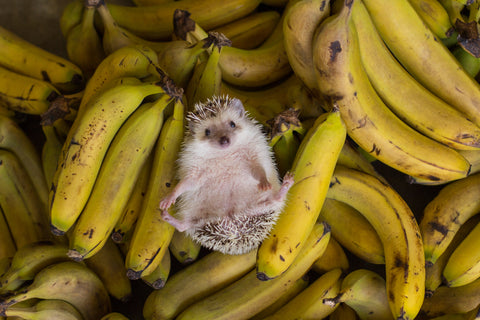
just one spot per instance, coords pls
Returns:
(158, 277)
(249, 32)
(462, 266)
(299, 285)
(299, 25)
(397, 228)
(109, 266)
(211, 273)
(71, 16)
(48, 309)
(28, 261)
(249, 295)
(433, 272)
(51, 151)
(343, 312)
(115, 37)
(308, 303)
(83, 43)
(206, 79)
(132, 61)
(252, 68)
(369, 122)
(407, 98)
(69, 281)
(306, 196)
(450, 300)
(344, 221)
(333, 257)
(157, 20)
(351, 157)
(365, 292)
(124, 159)
(114, 316)
(85, 148)
(435, 16)
(473, 157)
(25, 214)
(126, 223)
(7, 243)
(25, 94)
(454, 9)
(152, 235)
(184, 248)
(15, 139)
(444, 214)
(149, 2)
(178, 60)
(28, 59)
(426, 58)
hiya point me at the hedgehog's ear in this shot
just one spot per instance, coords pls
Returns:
(237, 105)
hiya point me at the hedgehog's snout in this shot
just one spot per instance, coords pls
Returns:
(224, 141)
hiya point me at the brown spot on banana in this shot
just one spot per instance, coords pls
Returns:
(335, 48)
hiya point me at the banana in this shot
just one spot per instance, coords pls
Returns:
(249, 295)
(462, 265)
(24, 212)
(473, 157)
(7, 243)
(25, 94)
(454, 9)
(85, 148)
(114, 316)
(470, 63)
(83, 43)
(152, 235)
(159, 276)
(49, 309)
(433, 272)
(123, 162)
(306, 196)
(126, 223)
(249, 32)
(109, 266)
(206, 79)
(211, 273)
(426, 58)
(15, 139)
(343, 312)
(365, 292)
(333, 257)
(28, 261)
(51, 151)
(344, 221)
(275, 3)
(397, 228)
(71, 16)
(351, 157)
(252, 68)
(115, 37)
(28, 59)
(369, 122)
(131, 61)
(184, 248)
(435, 16)
(450, 300)
(407, 98)
(299, 25)
(308, 303)
(286, 133)
(149, 2)
(69, 281)
(178, 60)
(444, 214)
(156, 20)
(299, 285)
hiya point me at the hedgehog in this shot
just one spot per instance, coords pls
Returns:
(229, 193)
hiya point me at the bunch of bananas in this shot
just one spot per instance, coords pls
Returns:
(337, 84)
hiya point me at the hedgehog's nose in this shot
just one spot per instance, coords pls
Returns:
(224, 141)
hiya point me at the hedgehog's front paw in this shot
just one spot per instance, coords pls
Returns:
(167, 202)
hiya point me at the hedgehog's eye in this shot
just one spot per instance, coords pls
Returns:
(232, 124)
(207, 132)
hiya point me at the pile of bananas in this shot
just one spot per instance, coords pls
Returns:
(339, 86)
